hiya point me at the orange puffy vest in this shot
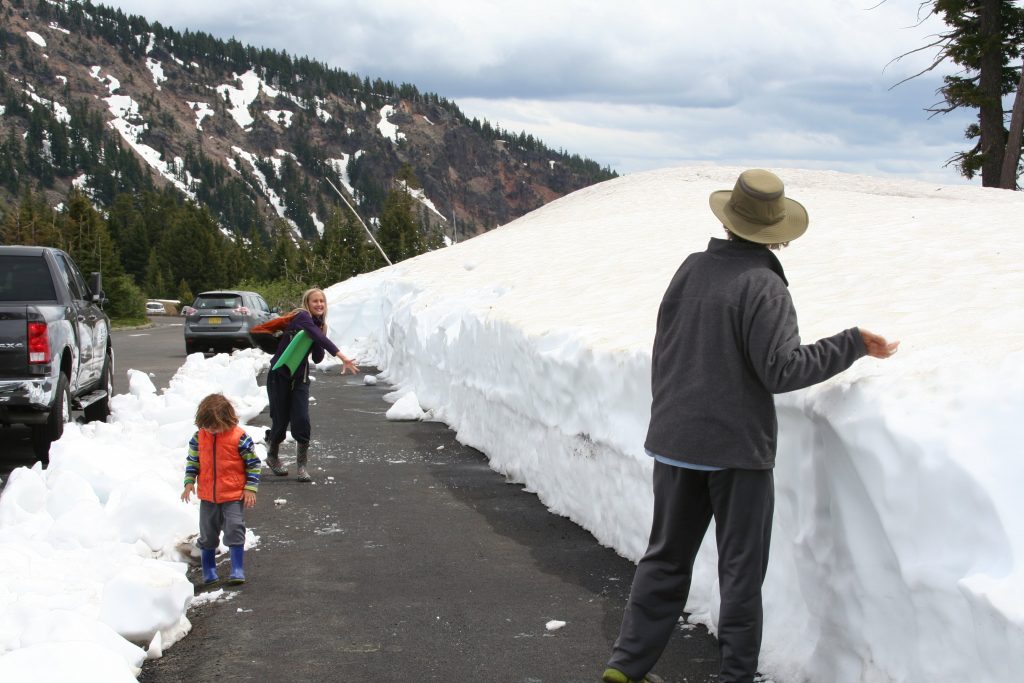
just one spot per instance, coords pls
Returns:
(221, 467)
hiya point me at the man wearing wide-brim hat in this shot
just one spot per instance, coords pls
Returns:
(726, 342)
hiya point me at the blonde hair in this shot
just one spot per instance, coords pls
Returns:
(305, 305)
(216, 414)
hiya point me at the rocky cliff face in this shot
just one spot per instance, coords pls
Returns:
(109, 102)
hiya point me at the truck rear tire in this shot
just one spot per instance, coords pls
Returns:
(100, 410)
(60, 412)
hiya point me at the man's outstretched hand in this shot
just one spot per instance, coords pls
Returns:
(877, 345)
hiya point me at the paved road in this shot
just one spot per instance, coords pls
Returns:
(158, 349)
(407, 560)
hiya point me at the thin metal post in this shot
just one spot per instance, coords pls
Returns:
(360, 221)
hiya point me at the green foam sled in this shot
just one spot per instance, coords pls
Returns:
(295, 352)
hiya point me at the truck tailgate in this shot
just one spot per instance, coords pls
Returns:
(13, 341)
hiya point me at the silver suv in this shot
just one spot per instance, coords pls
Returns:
(220, 320)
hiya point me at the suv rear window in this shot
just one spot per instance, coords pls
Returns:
(25, 278)
(210, 301)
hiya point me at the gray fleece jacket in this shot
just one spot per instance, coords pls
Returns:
(726, 341)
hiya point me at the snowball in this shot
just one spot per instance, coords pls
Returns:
(406, 408)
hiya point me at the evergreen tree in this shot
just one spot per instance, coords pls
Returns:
(12, 166)
(284, 262)
(126, 226)
(407, 175)
(125, 299)
(190, 248)
(342, 252)
(983, 36)
(398, 235)
(85, 236)
(32, 224)
(185, 295)
(37, 159)
(153, 277)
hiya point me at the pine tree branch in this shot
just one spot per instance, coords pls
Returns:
(939, 58)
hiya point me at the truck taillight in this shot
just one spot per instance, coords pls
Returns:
(38, 343)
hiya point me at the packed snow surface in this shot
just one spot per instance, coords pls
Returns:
(899, 528)
(898, 543)
(93, 549)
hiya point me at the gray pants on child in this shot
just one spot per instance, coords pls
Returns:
(217, 517)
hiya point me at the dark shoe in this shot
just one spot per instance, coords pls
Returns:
(209, 559)
(616, 676)
(274, 462)
(237, 565)
(301, 456)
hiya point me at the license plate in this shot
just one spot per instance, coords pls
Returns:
(213, 321)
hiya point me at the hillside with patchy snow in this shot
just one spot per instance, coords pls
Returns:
(251, 133)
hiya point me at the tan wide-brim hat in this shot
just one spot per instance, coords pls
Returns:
(758, 210)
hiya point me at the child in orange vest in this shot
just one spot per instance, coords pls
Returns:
(222, 459)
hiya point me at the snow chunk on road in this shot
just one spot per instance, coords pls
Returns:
(406, 408)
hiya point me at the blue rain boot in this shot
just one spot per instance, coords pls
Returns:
(209, 557)
(237, 565)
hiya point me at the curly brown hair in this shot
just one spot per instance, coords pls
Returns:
(216, 414)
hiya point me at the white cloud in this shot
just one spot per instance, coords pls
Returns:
(681, 80)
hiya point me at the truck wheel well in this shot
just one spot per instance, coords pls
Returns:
(65, 364)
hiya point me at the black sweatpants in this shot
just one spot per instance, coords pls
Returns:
(289, 405)
(742, 503)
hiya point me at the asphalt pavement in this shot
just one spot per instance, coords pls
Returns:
(408, 559)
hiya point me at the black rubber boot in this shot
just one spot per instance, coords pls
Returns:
(301, 455)
(274, 462)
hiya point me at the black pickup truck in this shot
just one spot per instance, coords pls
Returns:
(55, 351)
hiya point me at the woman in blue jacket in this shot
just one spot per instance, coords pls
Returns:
(289, 392)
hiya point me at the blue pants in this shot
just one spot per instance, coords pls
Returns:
(289, 405)
(742, 503)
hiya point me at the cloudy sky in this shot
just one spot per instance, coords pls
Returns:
(638, 84)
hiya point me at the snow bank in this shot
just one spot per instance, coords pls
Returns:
(93, 549)
(898, 547)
